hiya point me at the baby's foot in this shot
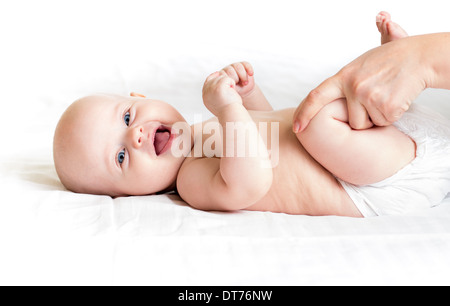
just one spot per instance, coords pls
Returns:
(389, 30)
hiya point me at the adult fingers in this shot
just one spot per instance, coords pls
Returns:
(327, 92)
(358, 118)
(395, 109)
(377, 117)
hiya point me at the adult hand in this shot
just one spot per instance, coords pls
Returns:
(379, 86)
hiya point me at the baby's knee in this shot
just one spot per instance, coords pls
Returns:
(327, 130)
(336, 110)
(332, 115)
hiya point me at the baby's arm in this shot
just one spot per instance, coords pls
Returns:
(356, 156)
(252, 96)
(236, 180)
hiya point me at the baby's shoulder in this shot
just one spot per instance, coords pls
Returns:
(194, 180)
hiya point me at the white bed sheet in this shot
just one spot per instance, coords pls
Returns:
(51, 236)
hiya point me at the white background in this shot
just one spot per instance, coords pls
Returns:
(61, 50)
(53, 52)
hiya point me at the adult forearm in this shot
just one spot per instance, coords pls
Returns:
(436, 53)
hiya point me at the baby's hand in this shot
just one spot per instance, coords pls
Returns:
(242, 74)
(219, 91)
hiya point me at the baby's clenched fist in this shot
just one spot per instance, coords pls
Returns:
(219, 91)
(242, 74)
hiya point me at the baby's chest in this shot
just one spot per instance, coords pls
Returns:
(208, 139)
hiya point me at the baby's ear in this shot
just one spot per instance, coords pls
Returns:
(134, 94)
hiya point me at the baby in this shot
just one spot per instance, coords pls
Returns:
(118, 146)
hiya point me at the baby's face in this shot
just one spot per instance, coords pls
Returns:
(119, 145)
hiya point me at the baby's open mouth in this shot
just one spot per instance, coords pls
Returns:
(161, 139)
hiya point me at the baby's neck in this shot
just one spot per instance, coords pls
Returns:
(172, 187)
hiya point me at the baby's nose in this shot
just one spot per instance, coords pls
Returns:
(137, 136)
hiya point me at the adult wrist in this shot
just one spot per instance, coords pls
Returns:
(435, 54)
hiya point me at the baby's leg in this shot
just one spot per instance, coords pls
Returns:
(389, 30)
(356, 156)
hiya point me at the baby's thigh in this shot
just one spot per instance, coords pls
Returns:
(356, 156)
(326, 135)
(327, 129)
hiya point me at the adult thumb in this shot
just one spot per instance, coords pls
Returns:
(327, 92)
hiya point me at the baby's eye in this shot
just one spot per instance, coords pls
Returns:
(127, 118)
(121, 157)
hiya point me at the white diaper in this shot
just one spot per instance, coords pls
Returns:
(423, 183)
